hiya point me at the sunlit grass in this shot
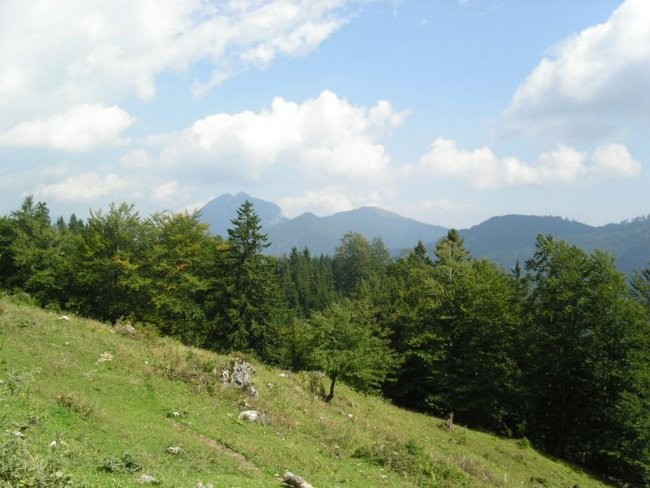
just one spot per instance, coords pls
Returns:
(103, 397)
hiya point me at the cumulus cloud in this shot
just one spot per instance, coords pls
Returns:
(324, 137)
(332, 199)
(563, 165)
(59, 54)
(443, 211)
(85, 187)
(79, 129)
(591, 80)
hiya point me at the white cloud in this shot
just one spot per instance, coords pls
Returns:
(165, 191)
(85, 187)
(332, 199)
(79, 129)
(591, 80)
(443, 211)
(55, 55)
(614, 161)
(564, 165)
(321, 202)
(323, 138)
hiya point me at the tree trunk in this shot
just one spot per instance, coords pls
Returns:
(331, 395)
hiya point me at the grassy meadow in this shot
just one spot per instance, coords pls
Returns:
(84, 405)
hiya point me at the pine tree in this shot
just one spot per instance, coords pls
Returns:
(248, 288)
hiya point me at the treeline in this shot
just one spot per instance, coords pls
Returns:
(557, 350)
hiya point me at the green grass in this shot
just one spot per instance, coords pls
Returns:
(113, 421)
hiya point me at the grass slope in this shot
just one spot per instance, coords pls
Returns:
(55, 386)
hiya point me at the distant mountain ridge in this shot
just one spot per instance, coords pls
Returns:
(504, 239)
(510, 238)
(320, 235)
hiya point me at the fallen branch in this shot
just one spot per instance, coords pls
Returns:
(295, 481)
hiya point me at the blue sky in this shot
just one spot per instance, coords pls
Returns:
(447, 111)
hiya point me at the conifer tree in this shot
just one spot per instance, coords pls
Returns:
(248, 288)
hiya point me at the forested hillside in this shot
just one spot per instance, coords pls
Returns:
(510, 238)
(555, 351)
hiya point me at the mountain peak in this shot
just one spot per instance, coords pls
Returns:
(218, 212)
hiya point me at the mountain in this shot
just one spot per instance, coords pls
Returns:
(322, 234)
(512, 237)
(218, 213)
(503, 239)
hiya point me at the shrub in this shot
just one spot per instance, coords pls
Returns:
(76, 404)
(124, 464)
(17, 382)
(19, 468)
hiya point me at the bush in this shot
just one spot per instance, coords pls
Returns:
(124, 464)
(76, 404)
(17, 382)
(19, 468)
(409, 459)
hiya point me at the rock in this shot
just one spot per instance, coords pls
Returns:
(174, 450)
(254, 416)
(65, 318)
(295, 480)
(147, 479)
(239, 374)
(127, 330)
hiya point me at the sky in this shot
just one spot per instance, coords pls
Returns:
(446, 111)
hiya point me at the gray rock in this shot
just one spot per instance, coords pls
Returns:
(127, 330)
(239, 374)
(174, 450)
(254, 416)
(147, 479)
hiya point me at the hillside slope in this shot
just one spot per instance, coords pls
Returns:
(114, 403)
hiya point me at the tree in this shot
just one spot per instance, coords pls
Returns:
(248, 288)
(587, 365)
(404, 302)
(27, 235)
(454, 324)
(307, 282)
(641, 286)
(176, 268)
(347, 343)
(109, 273)
(356, 261)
